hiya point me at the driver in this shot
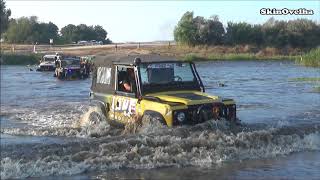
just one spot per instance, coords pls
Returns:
(129, 82)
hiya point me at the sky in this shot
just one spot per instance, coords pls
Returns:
(143, 21)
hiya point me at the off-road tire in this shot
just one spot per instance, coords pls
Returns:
(149, 118)
(95, 118)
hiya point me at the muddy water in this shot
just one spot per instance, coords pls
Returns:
(41, 136)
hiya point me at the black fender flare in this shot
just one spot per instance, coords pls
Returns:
(102, 105)
(155, 114)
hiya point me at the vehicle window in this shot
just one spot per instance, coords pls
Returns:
(48, 59)
(162, 73)
(126, 79)
(183, 70)
(103, 75)
(75, 62)
(67, 62)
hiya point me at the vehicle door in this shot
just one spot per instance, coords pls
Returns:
(124, 102)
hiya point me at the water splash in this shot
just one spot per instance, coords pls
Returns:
(150, 145)
(201, 146)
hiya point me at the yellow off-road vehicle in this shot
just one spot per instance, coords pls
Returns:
(129, 88)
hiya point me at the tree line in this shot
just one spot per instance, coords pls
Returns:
(30, 30)
(299, 33)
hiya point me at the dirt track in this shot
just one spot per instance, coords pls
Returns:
(78, 49)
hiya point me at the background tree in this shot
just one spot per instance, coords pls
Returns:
(19, 31)
(185, 31)
(239, 33)
(198, 30)
(72, 33)
(29, 30)
(256, 37)
(69, 33)
(4, 16)
(299, 33)
(215, 31)
(100, 33)
(303, 33)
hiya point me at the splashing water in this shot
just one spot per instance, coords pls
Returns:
(153, 146)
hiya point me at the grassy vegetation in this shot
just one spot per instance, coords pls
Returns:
(316, 89)
(310, 79)
(231, 56)
(211, 53)
(196, 53)
(19, 59)
(311, 59)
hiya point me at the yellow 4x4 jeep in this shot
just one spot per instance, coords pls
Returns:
(166, 89)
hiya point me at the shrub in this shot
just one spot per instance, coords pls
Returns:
(311, 59)
(19, 59)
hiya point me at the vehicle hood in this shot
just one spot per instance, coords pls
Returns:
(72, 67)
(186, 97)
(47, 64)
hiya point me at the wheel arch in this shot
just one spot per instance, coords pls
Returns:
(102, 105)
(155, 114)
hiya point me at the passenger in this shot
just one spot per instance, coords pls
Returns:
(82, 64)
(129, 83)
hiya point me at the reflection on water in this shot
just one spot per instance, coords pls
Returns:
(42, 136)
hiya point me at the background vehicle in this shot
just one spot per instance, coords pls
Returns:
(165, 90)
(69, 67)
(47, 63)
(82, 42)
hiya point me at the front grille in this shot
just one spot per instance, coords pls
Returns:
(45, 67)
(199, 113)
(192, 114)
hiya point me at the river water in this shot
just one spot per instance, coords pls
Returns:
(44, 132)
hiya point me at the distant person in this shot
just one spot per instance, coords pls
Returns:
(87, 67)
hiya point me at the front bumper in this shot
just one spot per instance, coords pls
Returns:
(46, 68)
(196, 114)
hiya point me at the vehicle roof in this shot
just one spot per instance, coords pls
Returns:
(69, 57)
(128, 59)
(50, 56)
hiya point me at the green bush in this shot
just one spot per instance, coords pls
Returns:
(193, 57)
(311, 59)
(19, 59)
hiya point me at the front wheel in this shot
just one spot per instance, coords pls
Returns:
(95, 118)
(98, 113)
(151, 119)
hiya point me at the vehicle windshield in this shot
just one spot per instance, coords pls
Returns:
(48, 59)
(70, 62)
(167, 76)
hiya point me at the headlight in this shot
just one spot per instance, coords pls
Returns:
(181, 117)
